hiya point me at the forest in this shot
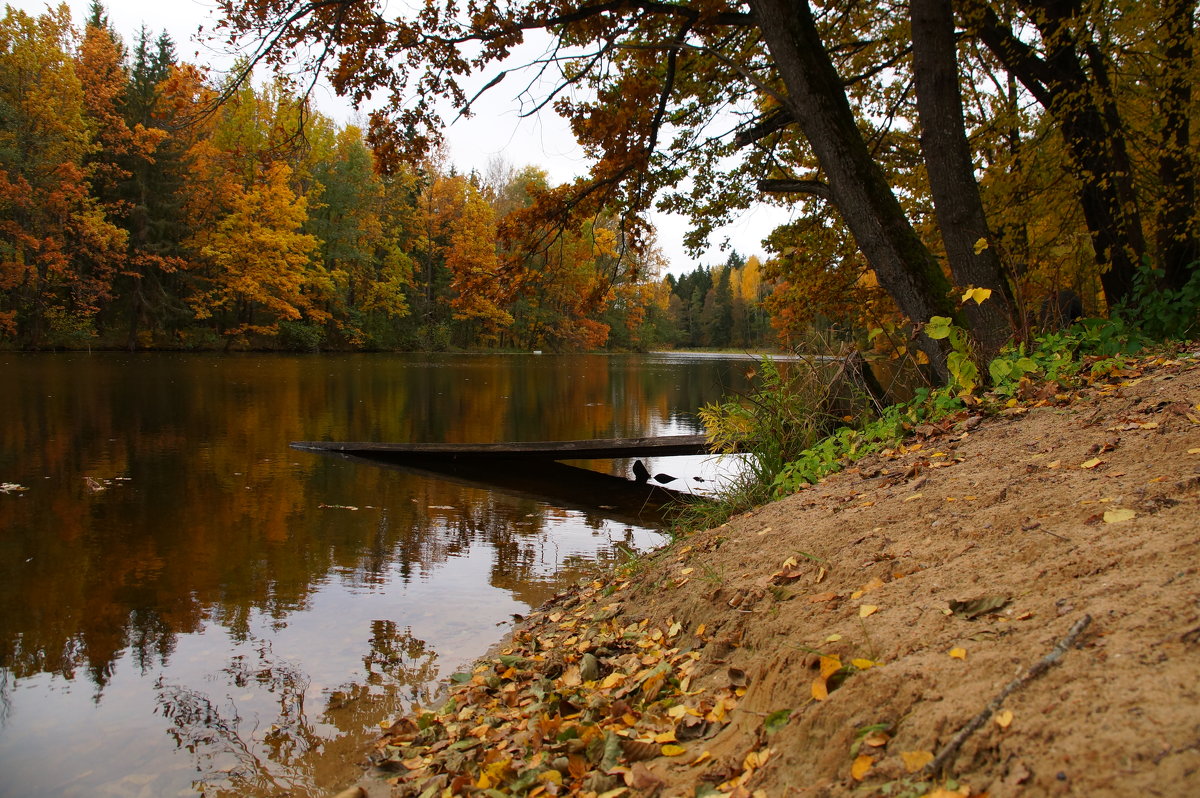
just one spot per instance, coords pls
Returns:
(955, 150)
(147, 204)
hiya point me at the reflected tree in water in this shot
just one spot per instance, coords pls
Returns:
(240, 752)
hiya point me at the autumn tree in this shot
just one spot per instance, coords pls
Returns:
(254, 263)
(58, 250)
(360, 235)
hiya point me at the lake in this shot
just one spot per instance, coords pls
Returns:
(187, 605)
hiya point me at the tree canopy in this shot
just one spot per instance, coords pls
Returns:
(950, 146)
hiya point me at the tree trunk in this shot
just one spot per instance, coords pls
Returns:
(1178, 247)
(816, 98)
(947, 154)
(1091, 128)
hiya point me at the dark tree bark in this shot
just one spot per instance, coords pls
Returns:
(1091, 128)
(947, 154)
(816, 99)
(1178, 246)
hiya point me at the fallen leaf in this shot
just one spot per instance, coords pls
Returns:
(958, 653)
(641, 779)
(777, 720)
(1194, 451)
(830, 666)
(639, 750)
(867, 610)
(687, 571)
(861, 766)
(968, 610)
(915, 760)
(913, 497)
(863, 664)
(1118, 515)
(877, 740)
(817, 598)
(819, 691)
(1095, 461)
(833, 638)
(1004, 718)
(673, 750)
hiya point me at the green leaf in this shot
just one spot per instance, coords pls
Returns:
(938, 327)
(777, 720)
(1000, 369)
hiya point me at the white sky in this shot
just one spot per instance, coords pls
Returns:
(494, 130)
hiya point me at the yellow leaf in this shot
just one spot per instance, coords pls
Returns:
(861, 766)
(687, 571)
(819, 691)
(1095, 461)
(704, 757)
(913, 497)
(863, 664)
(614, 793)
(833, 638)
(980, 245)
(915, 760)
(1003, 718)
(665, 737)
(958, 653)
(1194, 451)
(673, 750)
(977, 294)
(867, 610)
(830, 666)
(1118, 515)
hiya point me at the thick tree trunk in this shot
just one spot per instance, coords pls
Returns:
(816, 98)
(947, 153)
(1178, 246)
(1091, 128)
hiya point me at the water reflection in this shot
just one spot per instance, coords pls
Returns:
(177, 568)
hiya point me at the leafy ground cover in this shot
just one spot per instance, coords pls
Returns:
(1006, 603)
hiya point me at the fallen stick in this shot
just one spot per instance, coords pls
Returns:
(950, 751)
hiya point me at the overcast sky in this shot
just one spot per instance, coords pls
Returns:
(495, 130)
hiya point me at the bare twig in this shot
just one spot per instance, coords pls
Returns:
(950, 750)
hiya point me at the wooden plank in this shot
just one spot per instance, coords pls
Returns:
(537, 450)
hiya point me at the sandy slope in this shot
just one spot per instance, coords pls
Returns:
(740, 621)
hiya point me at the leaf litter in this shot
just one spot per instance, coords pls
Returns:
(765, 683)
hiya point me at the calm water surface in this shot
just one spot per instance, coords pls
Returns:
(187, 605)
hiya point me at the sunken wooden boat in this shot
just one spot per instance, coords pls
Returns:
(532, 469)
